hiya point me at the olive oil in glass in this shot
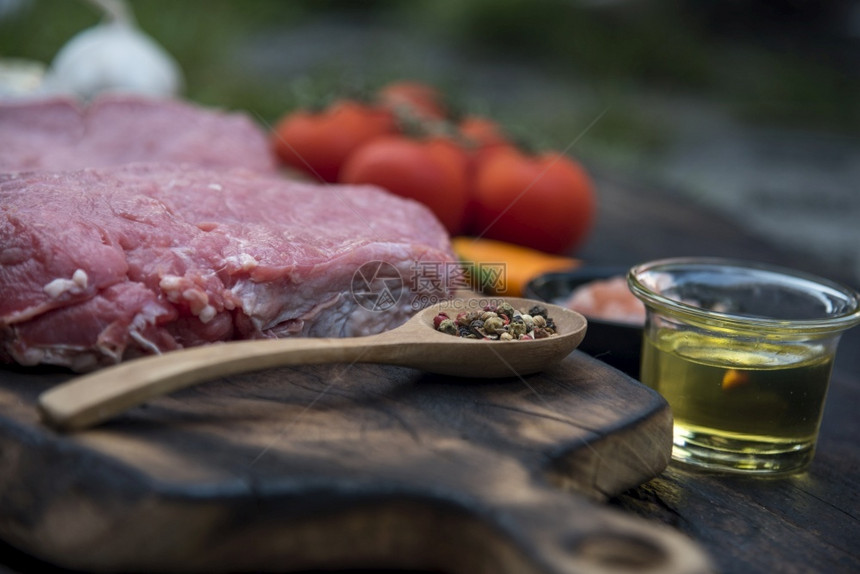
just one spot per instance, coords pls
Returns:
(742, 352)
(753, 408)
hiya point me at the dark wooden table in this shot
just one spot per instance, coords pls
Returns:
(804, 523)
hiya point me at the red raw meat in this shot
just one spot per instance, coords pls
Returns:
(99, 265)
(55, 134)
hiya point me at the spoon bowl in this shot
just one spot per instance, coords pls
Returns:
(480, 358)
(96, 397)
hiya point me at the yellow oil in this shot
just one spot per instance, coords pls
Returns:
(744, 406)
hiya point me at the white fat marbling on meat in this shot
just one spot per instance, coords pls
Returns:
(171, 285)
(242, 262)
(170, 282)
(77, 284)
(206, 314)
(146, 318)
(144, 342)
(177, 289)
(57, 355)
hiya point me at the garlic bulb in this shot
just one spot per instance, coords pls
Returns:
(113, 56)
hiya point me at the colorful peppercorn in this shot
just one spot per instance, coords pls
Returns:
(447, 326)
(498, 322)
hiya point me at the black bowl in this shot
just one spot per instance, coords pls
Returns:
(613, 342)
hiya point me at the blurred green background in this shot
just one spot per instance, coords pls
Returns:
(748, 106)
(546, 68)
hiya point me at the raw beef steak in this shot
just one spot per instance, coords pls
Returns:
(55, 134)
(99, 265)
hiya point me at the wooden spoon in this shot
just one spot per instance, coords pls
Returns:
(96, 397)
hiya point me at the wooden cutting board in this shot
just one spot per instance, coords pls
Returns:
(346, 466)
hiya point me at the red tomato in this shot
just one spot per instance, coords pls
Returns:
(545, 202)
(424, 101)
(318, 143)
(483, 138)
(482, 132)
(432, 171)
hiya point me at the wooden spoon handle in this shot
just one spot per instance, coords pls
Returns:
(94, 398)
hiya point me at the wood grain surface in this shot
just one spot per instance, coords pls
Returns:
(346, 466)
(805, 523)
